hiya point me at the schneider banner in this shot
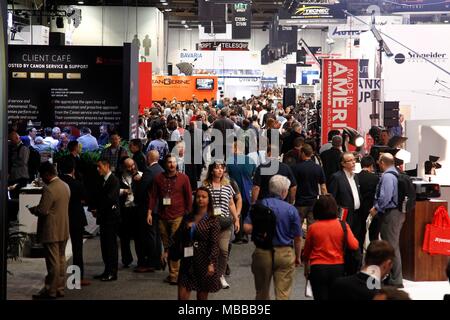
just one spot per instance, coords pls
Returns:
(73, 86)
(339, 95)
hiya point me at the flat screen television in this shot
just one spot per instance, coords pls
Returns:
(204, 84)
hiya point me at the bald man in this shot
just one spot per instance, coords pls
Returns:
(391, 219)
(150, 252)
(129, 188)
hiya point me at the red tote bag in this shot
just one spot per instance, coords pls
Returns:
(437, 234)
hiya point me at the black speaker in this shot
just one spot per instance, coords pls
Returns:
(169, 69)
(391, 114)
(291, 73)
(57, 39)
(60, 22)
(289, 97)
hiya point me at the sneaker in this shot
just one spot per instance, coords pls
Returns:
(224, 283)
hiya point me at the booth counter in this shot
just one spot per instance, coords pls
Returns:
(418, 265)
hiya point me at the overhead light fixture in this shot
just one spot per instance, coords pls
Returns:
(165, 4)
(183, 21)
(189, 29)
(377, 36)
(186, 26)
(168, 10)
(80, 2)
(445, 21)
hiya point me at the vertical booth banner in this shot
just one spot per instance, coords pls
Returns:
(339, 95)
(241, 20)
(145, 86)
(366, 86)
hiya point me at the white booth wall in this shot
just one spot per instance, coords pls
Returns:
(413, 82)
(112, 26)
(429, 137)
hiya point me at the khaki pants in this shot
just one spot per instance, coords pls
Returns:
(224, 241)
(306, 213)
(167, 229)
(55, 260)
(278, 263)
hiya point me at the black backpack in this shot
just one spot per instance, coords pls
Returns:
(406, 193)
(264, 223)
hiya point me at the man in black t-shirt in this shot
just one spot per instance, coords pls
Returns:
(261, 179)
(311, 177)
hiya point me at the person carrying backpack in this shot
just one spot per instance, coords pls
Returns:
(275, 228)
(391, 206)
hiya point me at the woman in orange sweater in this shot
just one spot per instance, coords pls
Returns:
(323, 253)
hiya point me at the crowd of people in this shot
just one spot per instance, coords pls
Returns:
(186, 214)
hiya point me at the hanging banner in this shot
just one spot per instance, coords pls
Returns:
(339, 95)
(417, 5)
(311, 14)
(366, 86)
(241, 20)
(224, 45)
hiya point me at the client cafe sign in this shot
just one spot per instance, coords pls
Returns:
(241, 24)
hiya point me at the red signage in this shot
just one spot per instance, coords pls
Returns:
(145, 86)
(224, 45)
(339, 95)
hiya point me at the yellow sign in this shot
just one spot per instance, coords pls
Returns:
(73, 75)
(55, 75)
(37, 75)
(21, 75)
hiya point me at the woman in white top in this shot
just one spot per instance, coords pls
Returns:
(225, 209)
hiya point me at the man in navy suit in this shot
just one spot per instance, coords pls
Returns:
(107, 212)
(344, 186)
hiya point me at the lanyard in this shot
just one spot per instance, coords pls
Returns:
(220, 196)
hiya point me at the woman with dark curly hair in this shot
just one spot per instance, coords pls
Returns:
(198, 237)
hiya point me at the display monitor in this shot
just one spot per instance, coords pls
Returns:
(204, 84)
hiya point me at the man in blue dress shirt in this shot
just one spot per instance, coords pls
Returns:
(391, 219)
(280, 261)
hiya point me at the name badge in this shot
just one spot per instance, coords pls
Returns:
(188, 252)
(167, 201)
(217, 211)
